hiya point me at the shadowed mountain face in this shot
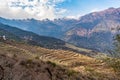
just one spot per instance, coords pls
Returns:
(31, 38)
(94, 30)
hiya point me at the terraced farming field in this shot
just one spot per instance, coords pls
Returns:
(71, 60)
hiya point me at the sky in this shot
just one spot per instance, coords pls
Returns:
(51, 9)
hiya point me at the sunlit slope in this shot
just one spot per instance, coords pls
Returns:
(71, 60)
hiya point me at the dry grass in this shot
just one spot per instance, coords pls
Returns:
(73, 61)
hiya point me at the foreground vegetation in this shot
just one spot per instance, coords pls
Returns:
(71, 65)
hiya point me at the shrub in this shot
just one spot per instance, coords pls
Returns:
(71, 72)
(90, 69)
(37, 57)
(114, 63)
(27, 63)
(14, 55)
(52, 63)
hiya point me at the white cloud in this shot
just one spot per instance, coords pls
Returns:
(37, 9)
(74, 17)
(95, 10)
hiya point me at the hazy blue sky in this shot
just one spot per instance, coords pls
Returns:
(42, 9)
(81, 7)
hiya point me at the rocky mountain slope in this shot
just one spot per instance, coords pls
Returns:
(20, 61)
(96, 30)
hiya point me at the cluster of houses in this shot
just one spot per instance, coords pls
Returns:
(3, 37)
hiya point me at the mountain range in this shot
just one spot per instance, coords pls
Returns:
(93, 31)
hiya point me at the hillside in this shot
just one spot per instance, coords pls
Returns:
(32, 38)
(9, 35)
(17, 64)
(32, 62)
(43, 41)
